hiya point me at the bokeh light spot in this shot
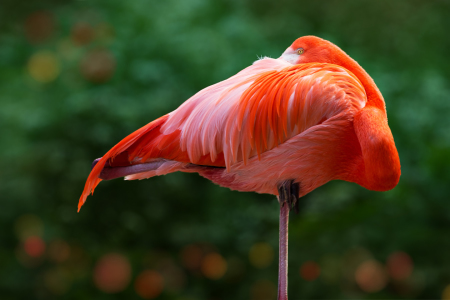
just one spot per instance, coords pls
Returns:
(309, 271)
(44, 66)
(446, 293)
(371, 276)
(82, 33)
(213, 266)
(399, 265)
(39, 26)
(263, 290)
(34, 246)
(261, 255)
(149, 284)
(98, 65)
(112, 273)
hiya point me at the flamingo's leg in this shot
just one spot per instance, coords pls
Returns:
(288, 192)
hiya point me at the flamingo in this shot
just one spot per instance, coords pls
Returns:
(281, 126)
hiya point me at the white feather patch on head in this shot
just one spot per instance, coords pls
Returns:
(290, 56)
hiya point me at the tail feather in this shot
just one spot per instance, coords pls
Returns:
(94, 177)
(145, 153)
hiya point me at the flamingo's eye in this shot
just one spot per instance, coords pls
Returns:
(300, 50)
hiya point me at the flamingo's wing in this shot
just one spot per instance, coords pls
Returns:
(241, 117)
(246, 116)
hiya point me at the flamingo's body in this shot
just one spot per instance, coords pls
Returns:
(311, 122)
(311, 116)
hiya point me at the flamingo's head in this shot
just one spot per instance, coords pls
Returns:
(310, 48)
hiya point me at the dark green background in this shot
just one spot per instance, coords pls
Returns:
(164, 52)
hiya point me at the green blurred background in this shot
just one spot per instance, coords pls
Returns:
(78, 76)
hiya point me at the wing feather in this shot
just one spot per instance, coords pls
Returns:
(261, 107)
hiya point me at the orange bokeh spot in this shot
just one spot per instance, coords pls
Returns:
(310, 271)
(112, 273)
(371, 276)
(191, 257)
(82, 33)
(39, 26)
(34, 246)
(446, 293)
(213, 266)
(98, 65)
(149, 284)
(400, 265)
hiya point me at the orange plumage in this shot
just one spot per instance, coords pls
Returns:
(312, 117)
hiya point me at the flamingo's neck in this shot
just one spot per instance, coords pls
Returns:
(374, 97)
(378, 167)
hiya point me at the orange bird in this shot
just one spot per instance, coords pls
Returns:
(281, 126)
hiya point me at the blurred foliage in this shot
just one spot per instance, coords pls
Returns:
(77, 76)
